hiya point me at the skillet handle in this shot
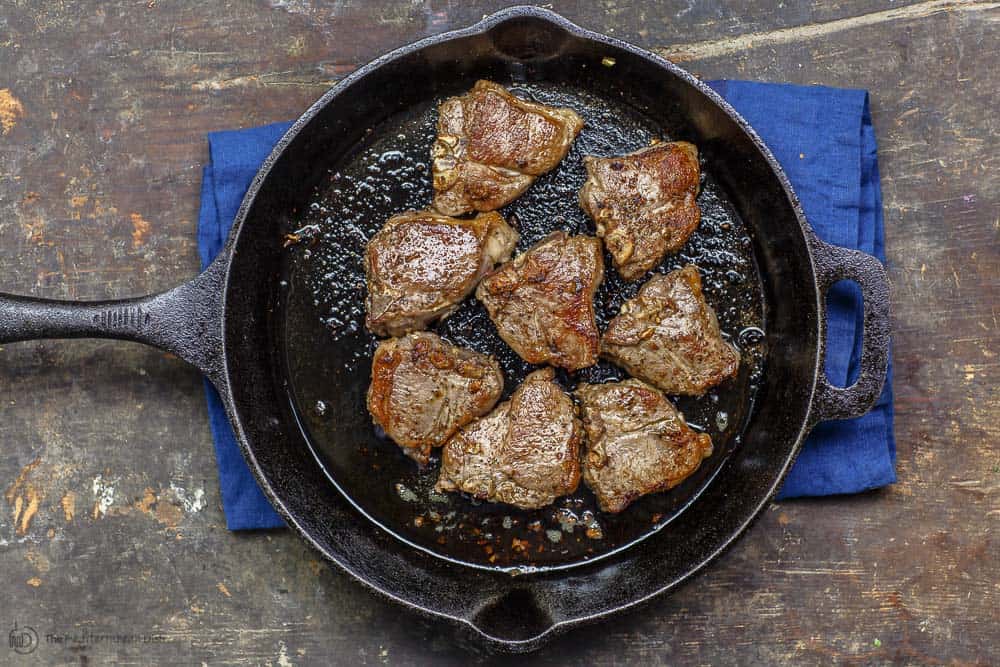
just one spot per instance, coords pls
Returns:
(185, 321)
(834, 263)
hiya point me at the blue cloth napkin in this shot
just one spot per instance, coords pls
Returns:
(234, 159)
(823, 137)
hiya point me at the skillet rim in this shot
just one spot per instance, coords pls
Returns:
(330, 96)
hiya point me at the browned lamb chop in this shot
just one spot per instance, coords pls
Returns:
(424, 389)
(542, 301)
(638, 443)
(421, 265)
(491, 146)
(643, 203)
(524, 453)
(668, 336)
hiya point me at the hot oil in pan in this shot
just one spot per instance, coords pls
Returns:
(328, 351)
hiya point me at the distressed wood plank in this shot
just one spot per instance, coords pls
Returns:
(108, 464)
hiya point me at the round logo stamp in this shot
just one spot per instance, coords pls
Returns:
(23, 640)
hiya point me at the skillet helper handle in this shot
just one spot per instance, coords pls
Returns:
(185, 321)
(834, 263)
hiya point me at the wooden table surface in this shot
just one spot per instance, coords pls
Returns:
(111, 520)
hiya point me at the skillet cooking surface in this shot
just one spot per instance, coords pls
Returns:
(327, 350)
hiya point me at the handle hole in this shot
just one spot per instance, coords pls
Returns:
(844, 333)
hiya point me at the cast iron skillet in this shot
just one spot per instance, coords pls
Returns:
(276, 330)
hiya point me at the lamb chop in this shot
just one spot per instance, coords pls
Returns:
(542, 302)
(491, 146)
(421, 265)
(524, 453)
(424, 389)
(643, 203)
(668, 336)
(638, 443)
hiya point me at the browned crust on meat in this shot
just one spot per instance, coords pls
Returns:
(529, 418)
(619, 417)
(420, 265)
(496, 458)
(669, 336)
(644, 203)
(542, 302)
(491, 145)
(436, 359)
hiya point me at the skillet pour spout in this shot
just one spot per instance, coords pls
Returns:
(227, 323)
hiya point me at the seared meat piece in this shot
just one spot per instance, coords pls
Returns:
(643, 203)
(668, 336)
(638, 443)
(421, 265)
(542, 302)
(491, 146)
(424, 389)
(524, 453)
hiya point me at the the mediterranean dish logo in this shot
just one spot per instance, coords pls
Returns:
(22, 639)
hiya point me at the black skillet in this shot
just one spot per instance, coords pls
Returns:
(277, 332)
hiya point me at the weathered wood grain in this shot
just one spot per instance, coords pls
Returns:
(111, 521)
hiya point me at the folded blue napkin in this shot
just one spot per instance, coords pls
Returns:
(824, 140)
(823, 137)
